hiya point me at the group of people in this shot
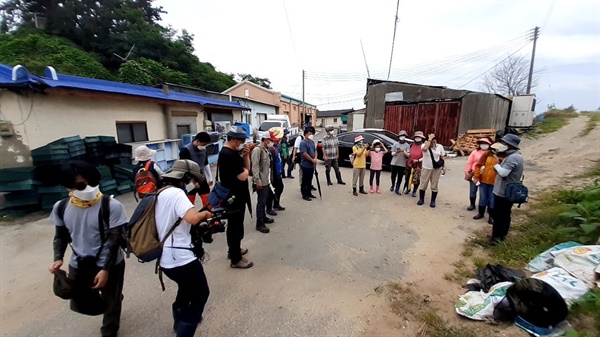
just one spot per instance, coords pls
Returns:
(490, 168)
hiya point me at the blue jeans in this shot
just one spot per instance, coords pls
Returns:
(486, 195)
(472, 190)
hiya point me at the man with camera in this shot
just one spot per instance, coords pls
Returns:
(196, 151)
(233, 168)
(178, 260)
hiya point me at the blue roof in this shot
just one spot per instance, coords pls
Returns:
(82, 83)
(295, 99)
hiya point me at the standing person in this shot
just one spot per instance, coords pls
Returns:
(97, 262)
(432, 151)
(196, 151)
(234, 170)
(331, 155)
(414, 164)
(376, 155)
(510, 170)
(274, 199)
(485, 176)
(262, 176)
(308, 152)
(400, 153)
(359, 164)
(470, 170)
(143, 155)
(284, 153)
(178, 260)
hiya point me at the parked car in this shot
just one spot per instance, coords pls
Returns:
(346, 141)
(343, 128)
(388, 133)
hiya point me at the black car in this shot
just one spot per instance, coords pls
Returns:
(346, 141)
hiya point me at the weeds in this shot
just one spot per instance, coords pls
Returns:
(554, 119)
(594, 118)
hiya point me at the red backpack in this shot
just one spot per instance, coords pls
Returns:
(145, 182)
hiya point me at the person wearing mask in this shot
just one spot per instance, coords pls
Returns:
(376, 155)
(97, 262)
(273, 201)
(414, 164)
(308, 152)
(470, 169)
(432, 151)
(262, 177)
(400, 153)
(143, 155)
(284, 153)
(484, 177)
(331, 154)
(234, 167)
(178, 260)
(360, 151)
(510, 170)
(196, 151)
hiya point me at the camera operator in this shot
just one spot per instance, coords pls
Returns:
(178, 260)
(233, 170)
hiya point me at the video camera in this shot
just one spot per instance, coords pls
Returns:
(203, 231)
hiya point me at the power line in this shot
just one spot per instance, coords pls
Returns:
(393, 39)
(287, 18)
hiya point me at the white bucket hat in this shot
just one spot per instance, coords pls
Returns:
(143, 153)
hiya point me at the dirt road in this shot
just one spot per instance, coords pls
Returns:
(314, 274)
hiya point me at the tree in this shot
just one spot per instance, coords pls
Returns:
(509, 78)
(263, 82)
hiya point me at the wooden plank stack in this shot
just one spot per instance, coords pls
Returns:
(467, 142)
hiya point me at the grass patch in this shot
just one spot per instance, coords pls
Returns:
(554, 119)
(582, 313)
(592, 123)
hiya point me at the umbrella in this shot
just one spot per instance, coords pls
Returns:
(318, 183)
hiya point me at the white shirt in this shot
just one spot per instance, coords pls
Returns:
(438, 151)
(299, 140)
(171, 205)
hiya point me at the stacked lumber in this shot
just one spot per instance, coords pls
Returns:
(467, 142)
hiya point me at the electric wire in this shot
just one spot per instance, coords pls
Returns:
(393, 39)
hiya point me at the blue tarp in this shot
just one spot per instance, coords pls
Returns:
(83, 83)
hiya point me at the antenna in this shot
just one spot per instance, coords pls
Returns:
(137, 65)
(124, 59)
(365, 58)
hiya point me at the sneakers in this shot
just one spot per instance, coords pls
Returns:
(371, 190)
(263, 229)
(313, 196)
(243, 264)
(312, 188)
(268, 220)
(392, 189)
(307, 198)
(243, 251)
(271, 212)
(279, 208)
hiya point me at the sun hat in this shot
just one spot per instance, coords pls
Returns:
(484, 141)
(276, 133)
(419, 134)
(376, 141)
(402, 133)
(358, 138)
(183, 166)
(329, 128)
(237, 132)
(143, 153)
(512, 140)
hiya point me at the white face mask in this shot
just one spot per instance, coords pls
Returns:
(241, 147)
(485, 147)
(402, 138)
(377, 149)
(88, 194)
(200, 147)
(311, 137)
(502, 148)
(418, 140)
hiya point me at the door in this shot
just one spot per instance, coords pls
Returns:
(400, 117)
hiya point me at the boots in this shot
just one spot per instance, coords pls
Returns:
(421, 197)
(362, 190)
(338, 175)
(371, 190)
(398, 189)
(433, 197)
(414, 194)
(472, 205)
(491, 216)
(354, 192)
(327, 174)
(480, 214)
(378, 190)
(186, 329)
(176, 314)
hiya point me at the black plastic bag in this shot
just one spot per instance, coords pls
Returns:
(493, 274)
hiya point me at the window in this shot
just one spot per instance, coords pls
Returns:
(294, 108)
(130, 132)
(335, 120)
(183, 129)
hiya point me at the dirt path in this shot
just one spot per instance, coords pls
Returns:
(315, 273)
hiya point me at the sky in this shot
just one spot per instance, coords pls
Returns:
(438, 42)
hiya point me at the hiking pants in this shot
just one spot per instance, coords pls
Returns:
(192, 292)
(430, 176)
(358, 173)
(112, 295)
(502, 210)
(397, 171)
(235, 231)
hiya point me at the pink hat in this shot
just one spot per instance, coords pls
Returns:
(358, 138)
(485, 141)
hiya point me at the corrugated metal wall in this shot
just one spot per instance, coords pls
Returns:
(484, 111)
(441, 118)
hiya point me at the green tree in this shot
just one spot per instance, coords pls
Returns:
(150, 73)
(263, 82)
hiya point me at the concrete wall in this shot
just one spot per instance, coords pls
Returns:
(40, 119)
(294, 110)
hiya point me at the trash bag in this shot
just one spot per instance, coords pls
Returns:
(493, 274)
(537, 302)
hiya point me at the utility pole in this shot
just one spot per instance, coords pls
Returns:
(303, 113)
(536, 32)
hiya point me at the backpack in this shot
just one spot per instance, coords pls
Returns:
(143, 234)
(262, 153)
(145, 182)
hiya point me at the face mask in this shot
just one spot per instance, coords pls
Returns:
(311, 137)
(484, 147)
(88, 194)
(418, 140)
(402, 139)
(200, 147)
(377, 149)
(241, 147)
(361, 143)
(502, 148)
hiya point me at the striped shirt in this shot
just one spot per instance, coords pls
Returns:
(330, 146)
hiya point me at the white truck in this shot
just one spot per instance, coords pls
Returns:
(281, 121)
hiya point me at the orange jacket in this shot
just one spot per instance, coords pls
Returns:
(488, 174)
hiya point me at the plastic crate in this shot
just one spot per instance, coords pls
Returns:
(23, 185)
(16, 174)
